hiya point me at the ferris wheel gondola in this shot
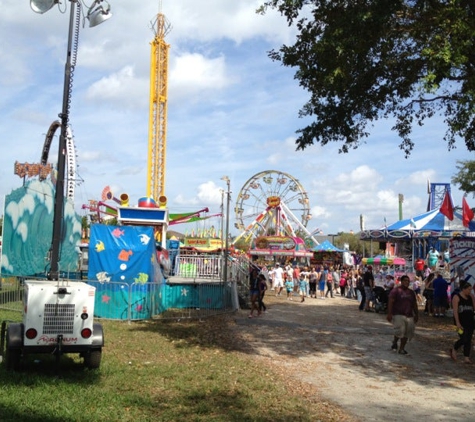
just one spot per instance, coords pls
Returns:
(272, 203)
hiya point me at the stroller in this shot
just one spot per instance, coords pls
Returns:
(381, 297)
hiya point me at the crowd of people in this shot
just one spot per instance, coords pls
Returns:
(401, 301)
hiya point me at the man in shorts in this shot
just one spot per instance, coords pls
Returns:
(278, 278)
(403, 313)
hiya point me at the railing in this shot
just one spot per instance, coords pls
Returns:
(197, 290)
(199, 267)
(11, 293)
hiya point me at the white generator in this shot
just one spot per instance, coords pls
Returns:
(58, 318)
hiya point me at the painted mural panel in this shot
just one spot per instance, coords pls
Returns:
(28, 229)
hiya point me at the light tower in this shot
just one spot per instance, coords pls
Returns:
(157, 130)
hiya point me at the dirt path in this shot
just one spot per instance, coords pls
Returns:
(346, 354)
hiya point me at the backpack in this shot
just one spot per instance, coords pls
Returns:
(329, 277)
(359, 283)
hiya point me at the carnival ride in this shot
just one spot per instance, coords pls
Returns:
(45, 169)
(272, 203)
(158, 111)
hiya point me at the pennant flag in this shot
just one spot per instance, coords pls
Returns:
(467, 213)
(447, 208)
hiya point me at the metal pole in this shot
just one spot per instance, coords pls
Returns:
(226, 250)
(59, 193)
(222, 222)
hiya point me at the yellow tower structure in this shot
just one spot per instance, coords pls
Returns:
(157, 129)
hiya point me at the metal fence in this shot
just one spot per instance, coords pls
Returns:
(135, 301)
(197, 290)
(11, 293)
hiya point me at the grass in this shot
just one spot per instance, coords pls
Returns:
(158, 371)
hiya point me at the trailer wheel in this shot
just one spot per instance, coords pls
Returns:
(92, 359)
(12, 357)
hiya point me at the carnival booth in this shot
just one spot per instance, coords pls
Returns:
(430, 229)
(327, 254)
(384, 266)
(266, 250)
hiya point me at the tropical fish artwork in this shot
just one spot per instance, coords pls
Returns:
(100, 246)
(117, 232)
(142, 278)
(125, 255)
(144, 239)
(103, 277)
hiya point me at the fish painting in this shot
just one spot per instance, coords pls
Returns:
(117, 232)
(144, 239)
(125, 255)
(142, 278)
(103, 277)
(100, 246)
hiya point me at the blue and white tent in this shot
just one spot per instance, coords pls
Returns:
(326, 246)
(431, 224)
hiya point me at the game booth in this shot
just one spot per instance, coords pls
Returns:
(384, 266)
(267, 250)
(326, 254)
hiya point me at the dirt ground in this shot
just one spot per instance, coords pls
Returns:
(346, 356)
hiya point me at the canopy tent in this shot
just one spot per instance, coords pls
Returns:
(429, 224)
(326, 246)
(383, 260)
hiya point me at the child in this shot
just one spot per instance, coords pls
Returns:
(289, 287)
(303, 284)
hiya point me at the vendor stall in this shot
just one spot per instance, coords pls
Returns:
(326, 254)
(267, 250)
(384, 266)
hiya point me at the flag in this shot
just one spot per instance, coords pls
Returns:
(467, 213)
(447, 208)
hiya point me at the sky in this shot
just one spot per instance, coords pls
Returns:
(232, 112)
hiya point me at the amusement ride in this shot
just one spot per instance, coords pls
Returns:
(272, 203)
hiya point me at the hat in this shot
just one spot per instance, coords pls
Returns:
(277, 264)
(370, 267)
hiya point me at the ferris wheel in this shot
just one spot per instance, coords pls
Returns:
(272, 203)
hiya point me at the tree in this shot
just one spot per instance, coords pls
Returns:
(362, 61)
(465, 178)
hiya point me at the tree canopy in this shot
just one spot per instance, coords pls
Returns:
(465, 177)
(366, 60)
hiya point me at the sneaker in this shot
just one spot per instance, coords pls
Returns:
(402, 352)
(394, 346)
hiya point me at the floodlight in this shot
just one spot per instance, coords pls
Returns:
(97, 14)
(42, 6)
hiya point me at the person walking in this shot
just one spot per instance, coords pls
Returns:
(321, 283)
(289, 288)
(343, 282)
(262, 292)
(278, 278)
(403, 313)
(254, 291)
(368, 283)
(303, 287)
(463, 307)
(329, 281)
(441, 286)
(360, 289)
(313, 282)
(429, 294)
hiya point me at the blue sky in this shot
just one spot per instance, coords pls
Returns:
(231, 111)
